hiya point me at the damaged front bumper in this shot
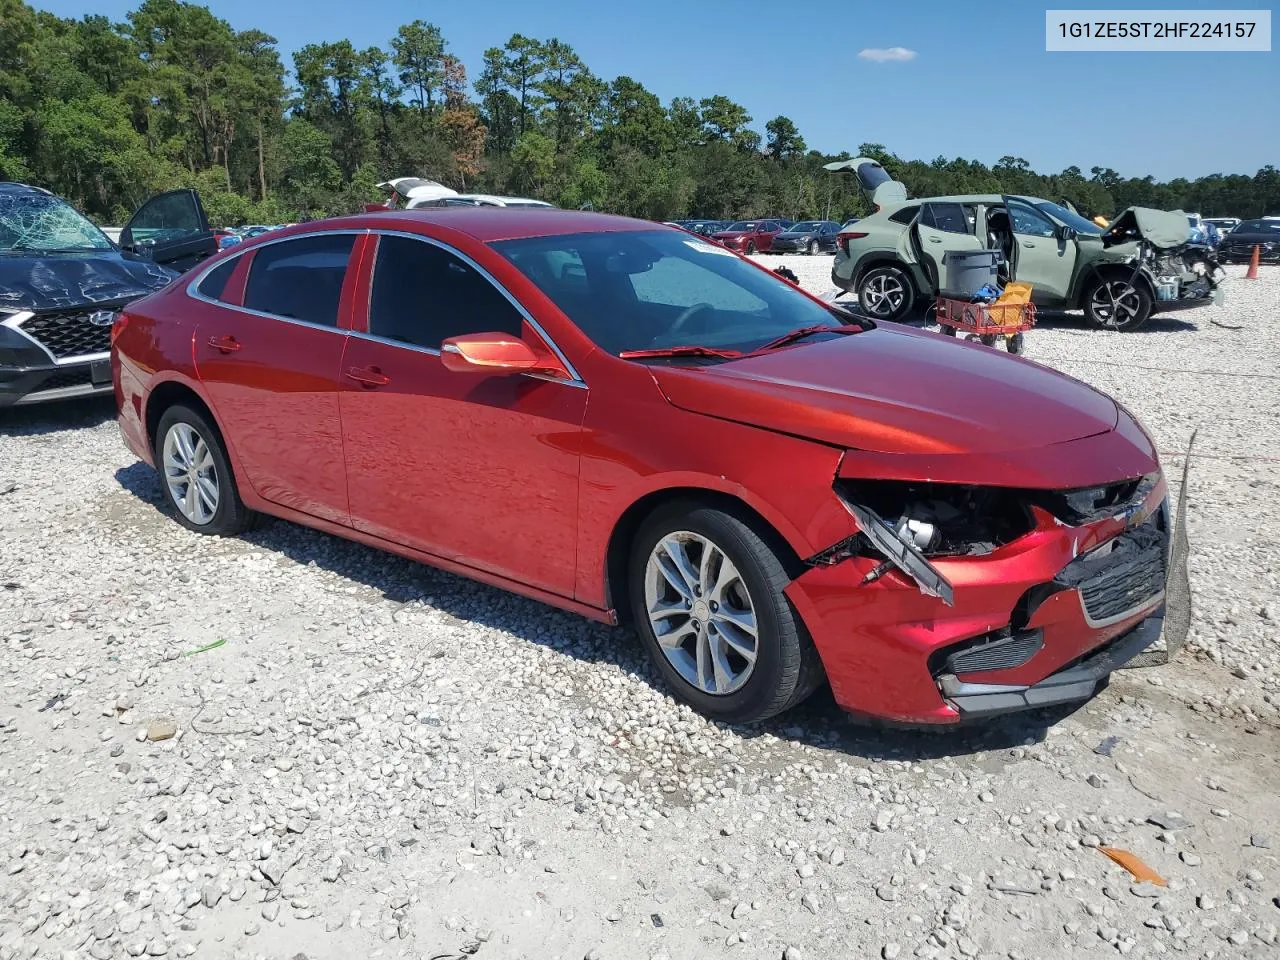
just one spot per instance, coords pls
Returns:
(1037, 621)
(1072, 684)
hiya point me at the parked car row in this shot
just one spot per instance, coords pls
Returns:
(418, 381)
(1264, 233)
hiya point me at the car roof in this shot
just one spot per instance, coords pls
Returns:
(7, 186)
(485, 224)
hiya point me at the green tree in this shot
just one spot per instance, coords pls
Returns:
(418, 51)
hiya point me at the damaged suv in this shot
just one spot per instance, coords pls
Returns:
(634, 424)
(63, 282)
(1142, 264)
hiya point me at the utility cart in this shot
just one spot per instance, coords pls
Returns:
(987, 322)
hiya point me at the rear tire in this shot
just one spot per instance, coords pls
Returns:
(195, 474)
(1112, 304)
(784, 668)
(1014, 344)
(886, 293)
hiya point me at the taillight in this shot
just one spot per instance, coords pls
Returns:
(844, 237)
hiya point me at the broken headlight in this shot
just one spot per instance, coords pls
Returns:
(1087, 504)
(944, 519)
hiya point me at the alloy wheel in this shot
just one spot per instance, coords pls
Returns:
(1116, 303)
(701, 613)
(190, 474)
(883, 294)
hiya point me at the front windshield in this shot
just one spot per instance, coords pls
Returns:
(654, 290)
(1073, 220)
(1258, 226)
(805, 226)
(40, 221)
(745, 226)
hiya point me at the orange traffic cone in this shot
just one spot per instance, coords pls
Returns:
(1253, 263)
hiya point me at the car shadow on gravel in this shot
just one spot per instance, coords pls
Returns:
(1161, 323)
(79, 414)
(818, 722)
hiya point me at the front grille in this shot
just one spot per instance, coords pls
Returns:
(1124, 574)
(69, 334)
(1001, 653)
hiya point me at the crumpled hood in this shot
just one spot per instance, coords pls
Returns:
(1163, 228)
(895, 390)
(56, 281)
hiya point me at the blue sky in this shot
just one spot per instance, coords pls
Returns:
(979, 86)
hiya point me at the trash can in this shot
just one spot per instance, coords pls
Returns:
(968, 271)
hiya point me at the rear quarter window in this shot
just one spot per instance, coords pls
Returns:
(214, 283)
(905, 215)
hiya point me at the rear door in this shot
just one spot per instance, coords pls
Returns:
(170, 229)
(943, 227)
(270, 360)
(1042, 258)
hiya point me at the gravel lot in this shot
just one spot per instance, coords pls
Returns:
(381, 760)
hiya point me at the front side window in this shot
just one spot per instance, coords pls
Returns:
(32, 221)
(655, 290)
(300, 279)
(1028, 222)
(423, 294)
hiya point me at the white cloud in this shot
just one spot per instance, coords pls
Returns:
(887, 54)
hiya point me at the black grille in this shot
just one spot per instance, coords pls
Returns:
(69, 334)
(1002, 653)
(1126, 573)
(67, 378)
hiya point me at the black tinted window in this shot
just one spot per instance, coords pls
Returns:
(215, 281)
(170, 216)
(301, 279)
(423, 294)
(950, 217)
(905, 215)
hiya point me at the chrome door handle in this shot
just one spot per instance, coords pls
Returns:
(227, 344)
(368, 376)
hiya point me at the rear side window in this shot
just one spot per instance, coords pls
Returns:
(300, 279)
(948, 217)
(905, 215)
(214, 283)
(423, 294)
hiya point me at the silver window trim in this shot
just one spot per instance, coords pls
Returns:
(195, 294)
(14, 322)
(193, 291)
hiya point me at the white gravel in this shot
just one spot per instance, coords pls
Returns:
(381, 760)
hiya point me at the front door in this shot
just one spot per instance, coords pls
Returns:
(270, 364)
(171, 229)
(479, 469)
(1041, 257)
(941, 228)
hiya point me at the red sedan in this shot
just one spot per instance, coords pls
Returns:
(629, 422)
(750, 236)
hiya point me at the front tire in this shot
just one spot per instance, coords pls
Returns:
(751, 247)
(813, 248)
(1112, 304)
(886, 293)
(706, 595)
(195, 474)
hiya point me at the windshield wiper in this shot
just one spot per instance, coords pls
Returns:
(801, 333)
(684, 350)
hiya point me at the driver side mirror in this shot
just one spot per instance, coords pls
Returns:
(1065, 233)
(488, 353)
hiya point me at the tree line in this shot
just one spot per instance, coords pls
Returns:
(107, 113)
